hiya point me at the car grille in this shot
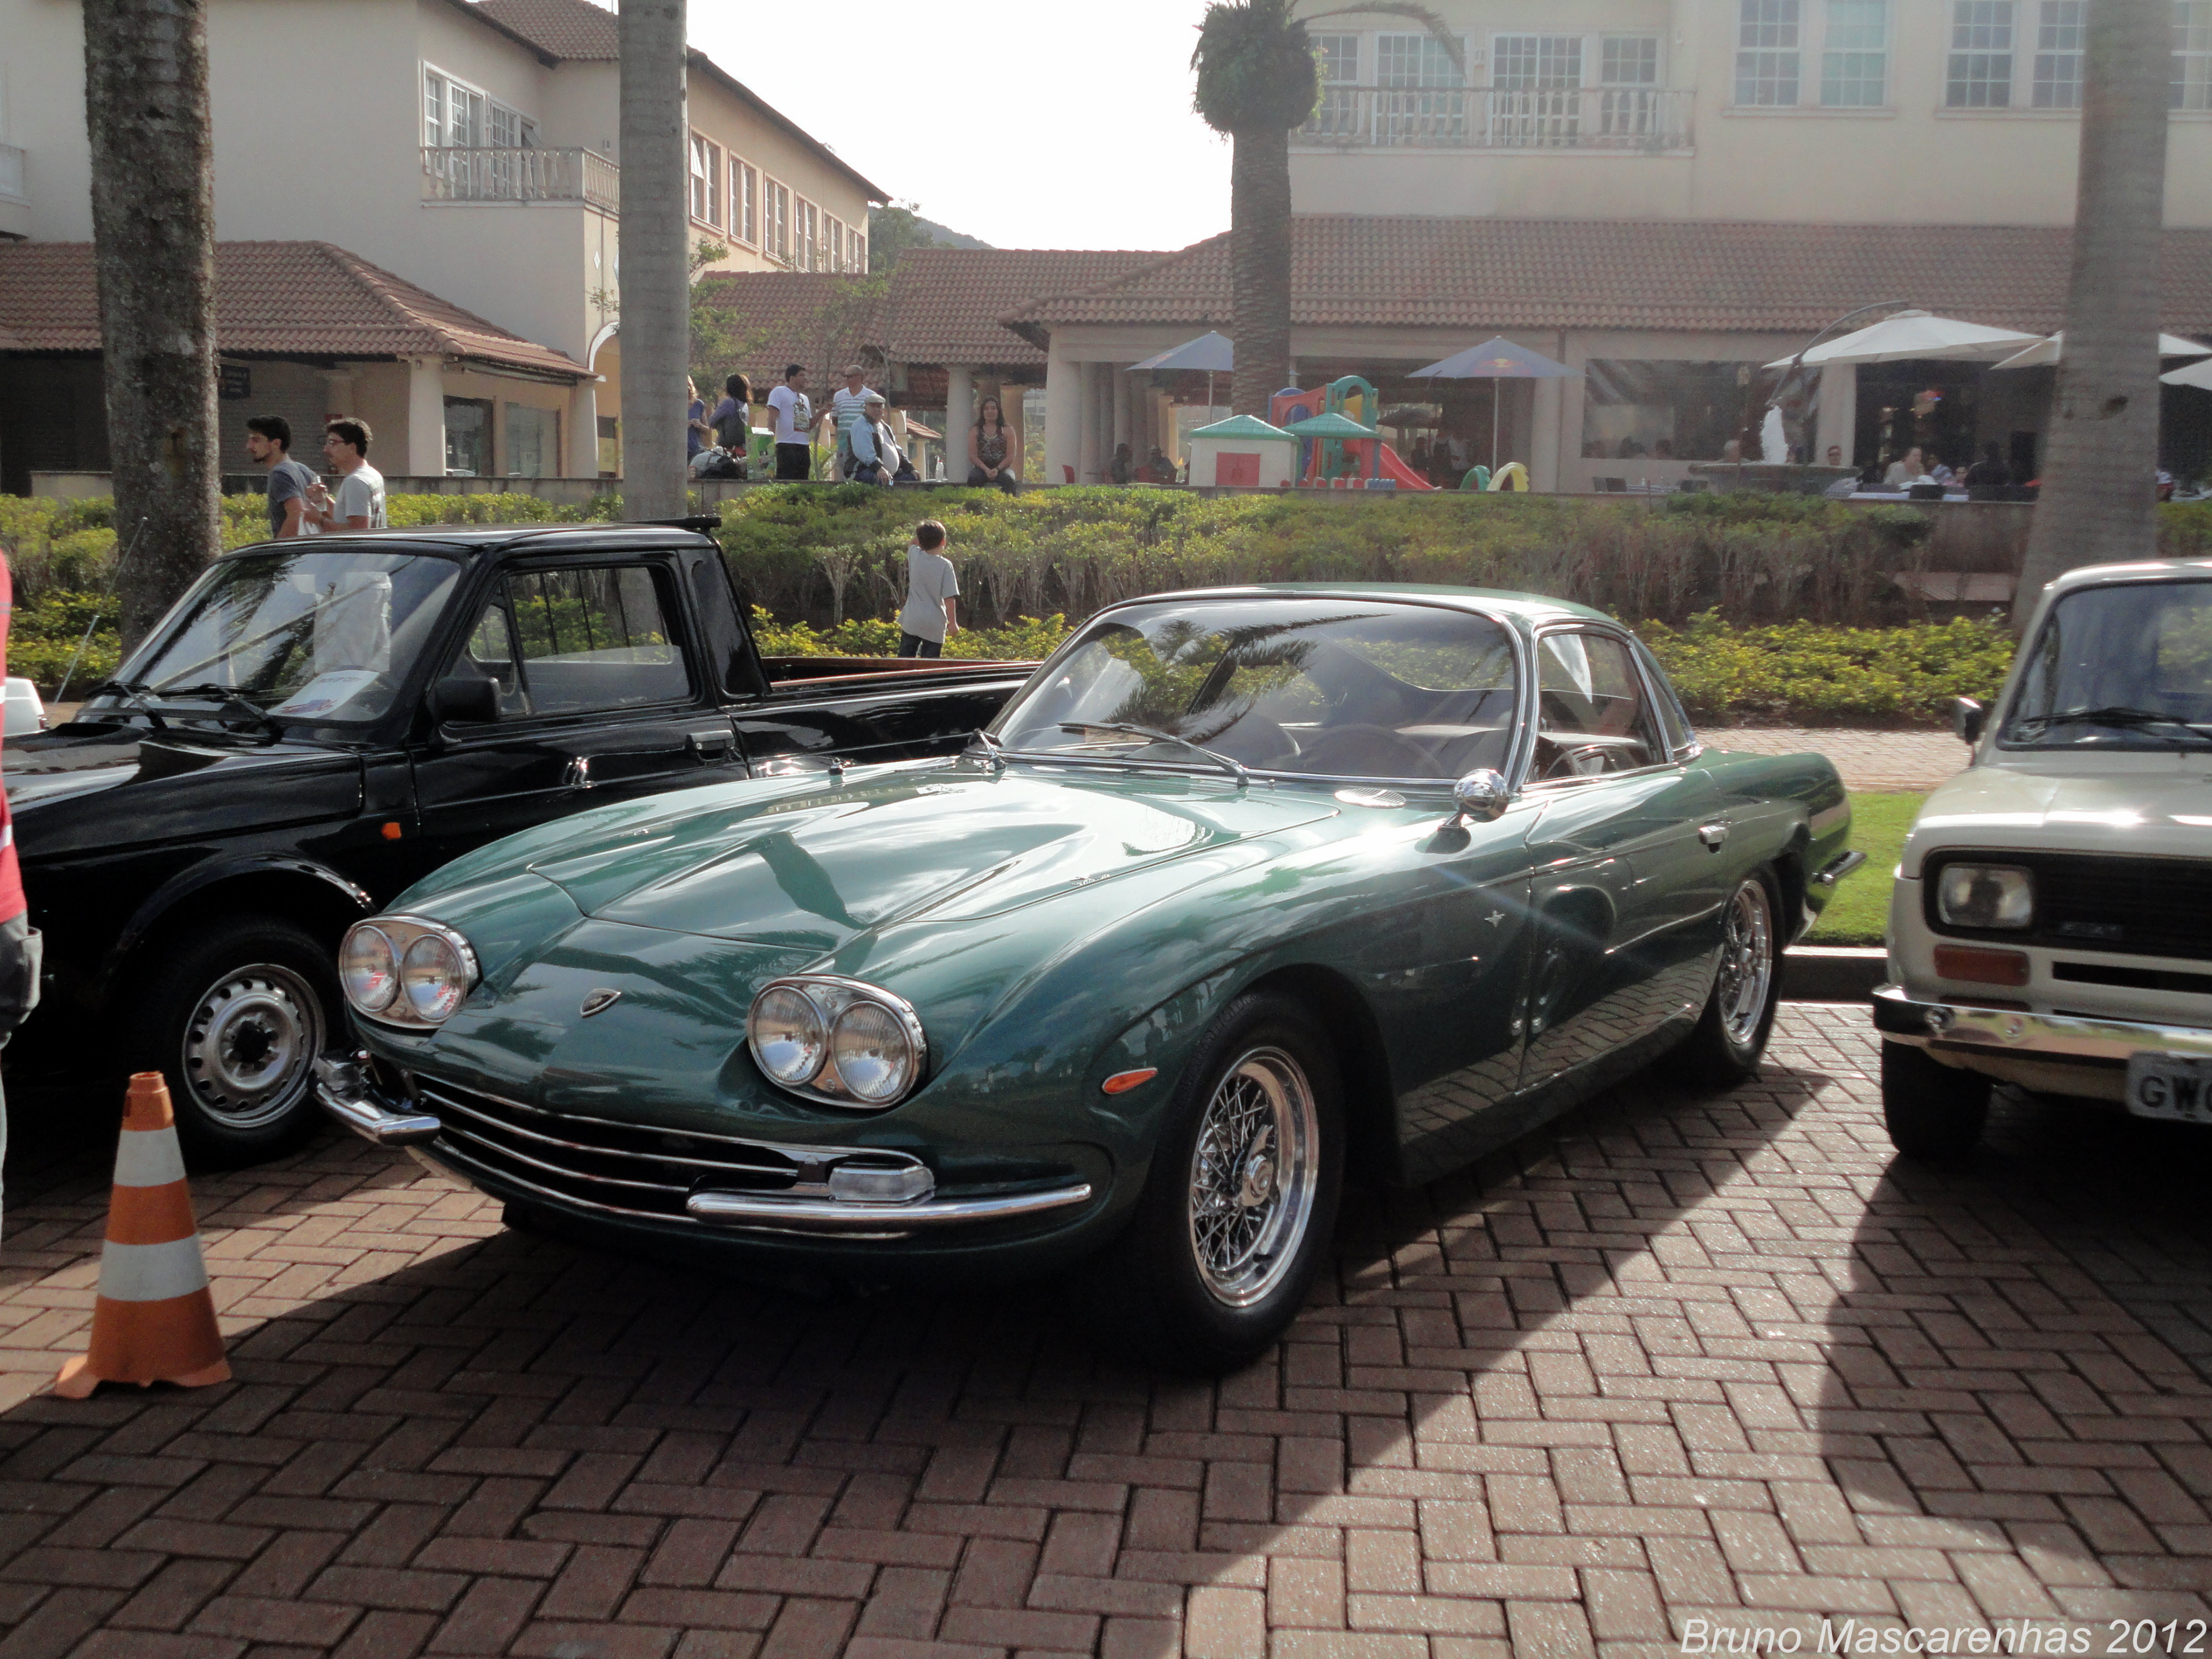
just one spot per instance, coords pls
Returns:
(623, 1167)
(2145, 907)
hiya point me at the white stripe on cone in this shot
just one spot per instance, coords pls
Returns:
(148, 1157)
(151, 1272)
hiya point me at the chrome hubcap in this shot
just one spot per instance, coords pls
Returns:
(1253, 1176)
(251, 1044)
(1747, 964)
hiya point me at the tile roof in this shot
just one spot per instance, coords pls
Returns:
(945, 301)
(780, 317)
(1488, 275)
(573, 30)
(288, 298)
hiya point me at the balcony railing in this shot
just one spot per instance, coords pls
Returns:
(450, 174)
(14, 184)
(1632, 120)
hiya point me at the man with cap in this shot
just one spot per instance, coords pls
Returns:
(873, 453)
(845, 406)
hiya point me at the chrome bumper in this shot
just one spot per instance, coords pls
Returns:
(347, 1093)
(2008, 1033)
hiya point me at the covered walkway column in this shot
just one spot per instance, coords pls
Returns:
(1544, 440)
(1122, 434)
(1839, 421)
(583, 431)
(1063, 412)
(426, 418)
(959, 416)
(1086, 440)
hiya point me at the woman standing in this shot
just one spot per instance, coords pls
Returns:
(988, 443)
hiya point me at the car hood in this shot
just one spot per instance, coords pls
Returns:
(2151, 805)
(812, 869)
(155, 781)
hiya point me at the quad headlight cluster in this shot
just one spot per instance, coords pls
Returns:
(405, 971)
(837, 1041)
(1985, 896)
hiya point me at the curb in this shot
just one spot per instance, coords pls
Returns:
(1829, 973)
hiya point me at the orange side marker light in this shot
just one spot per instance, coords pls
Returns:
(391, 830)
(1121, 1082)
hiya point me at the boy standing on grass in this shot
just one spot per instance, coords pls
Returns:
(932, 594)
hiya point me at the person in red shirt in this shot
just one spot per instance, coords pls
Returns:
(19, 940)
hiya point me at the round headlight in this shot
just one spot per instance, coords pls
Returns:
(784, 1029)
(872, 1053)
(432, 975)
(1991, 895)
(368, 970)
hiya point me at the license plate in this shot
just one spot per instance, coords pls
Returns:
(2175, 1087)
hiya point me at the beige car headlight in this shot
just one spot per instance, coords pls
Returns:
(1994, 896)
(837, 1041)
(404, 970)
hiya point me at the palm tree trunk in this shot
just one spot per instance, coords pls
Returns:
(153, 233)
(655, 246)
(2099, 492)
(1260, 267)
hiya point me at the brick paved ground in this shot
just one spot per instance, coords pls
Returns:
(1681, 1358)
(1868, 760)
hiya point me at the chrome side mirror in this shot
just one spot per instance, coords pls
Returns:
(1481, 797)
(1967, 718)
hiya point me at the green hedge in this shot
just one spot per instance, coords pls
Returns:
(1803, 674)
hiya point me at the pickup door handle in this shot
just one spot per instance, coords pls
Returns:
(711, 744)
(1713, 834)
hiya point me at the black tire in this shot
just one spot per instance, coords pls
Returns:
(234, 1017)
(1264, 1050)
(1724, 1047)
(1932, 1110)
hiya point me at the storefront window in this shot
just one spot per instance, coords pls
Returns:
(468, 436)
(1681, 411)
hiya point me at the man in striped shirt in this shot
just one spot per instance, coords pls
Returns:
(847, 405)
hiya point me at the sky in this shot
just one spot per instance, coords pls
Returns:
(1025, 123)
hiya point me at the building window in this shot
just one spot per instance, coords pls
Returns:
(835, 228)
(705, 181)
(745, 202)
(1629, 60)
(1337, 57)
(533, 442)
(1634, 409)
(2062, 29)
(2192, 54)
(1855, 55)
(1416, 60)
(775, 221)
(1766, 58)
(1979, 75)
(468, 436)
(860, 253)
(457, 116)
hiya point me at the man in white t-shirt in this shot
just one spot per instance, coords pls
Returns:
(358, 503)
(846, 404)
(932, 591)
(794, 423)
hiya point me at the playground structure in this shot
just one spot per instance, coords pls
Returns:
(1339, 448)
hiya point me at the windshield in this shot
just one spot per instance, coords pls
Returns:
(320, 638)
(2127, 666)
(1334, 688)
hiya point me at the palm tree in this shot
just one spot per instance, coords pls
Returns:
(2099, 500)
(656, 253)
(153, 237)
(1256, 81)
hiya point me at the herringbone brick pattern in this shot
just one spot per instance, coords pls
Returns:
(1676, 1358)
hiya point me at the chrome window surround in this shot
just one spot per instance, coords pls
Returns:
(825, 1087)
(1676, 758)
(402, 931)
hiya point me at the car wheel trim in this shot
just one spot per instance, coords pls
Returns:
(250, 1045)
(1747, 964)
(1254, 1176)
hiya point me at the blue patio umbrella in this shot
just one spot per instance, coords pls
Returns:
(1214, 353)
(1496, 359)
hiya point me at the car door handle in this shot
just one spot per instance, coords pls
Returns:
(1713, 834)
(711, 744)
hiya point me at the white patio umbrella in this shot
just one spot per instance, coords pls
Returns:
(2044, 353)
(2195, 375)
(1215, 353)
(1910, 334)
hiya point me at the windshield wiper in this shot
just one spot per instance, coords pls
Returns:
(232, 704)
(1236, 767)
(2125, 717)
(131, 696)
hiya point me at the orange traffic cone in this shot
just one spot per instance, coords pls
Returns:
(153, 1321)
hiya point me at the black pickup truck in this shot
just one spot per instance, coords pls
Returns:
(320, 723)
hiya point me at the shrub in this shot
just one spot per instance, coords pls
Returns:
(1801, 674)
(1023, 640)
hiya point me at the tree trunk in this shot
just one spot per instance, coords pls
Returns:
(153, 230)
(2099, 487)
(655, 248)
(1260, 267)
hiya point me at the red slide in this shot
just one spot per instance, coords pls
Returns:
(1391, 466)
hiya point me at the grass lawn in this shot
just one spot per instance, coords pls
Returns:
(1860, 908)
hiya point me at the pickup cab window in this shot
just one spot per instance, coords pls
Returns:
(588, 640)
(2125, 665)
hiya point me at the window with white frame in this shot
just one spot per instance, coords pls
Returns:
(2062, 33)
(1979, 72)
(833, 231)
(775, 221)
(1628, 60)
(2192, 54)
(745, 202)
(860, 251)
(1855, 55)
(1537, 62)
(1768, 61)
(806, 224)
(1337, 57)
(705, 181)
(1415, 60)
(457, 116)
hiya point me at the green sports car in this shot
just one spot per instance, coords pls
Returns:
(1246, 890)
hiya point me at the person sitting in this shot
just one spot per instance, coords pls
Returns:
(1906, 470)
(1162, 469)
(1990, 471)
(874, 457)
(1419, 460)
(1631, 449)
(1663, 450)
(988, 441)
(1123, 469)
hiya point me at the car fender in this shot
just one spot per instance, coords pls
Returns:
(187, 884)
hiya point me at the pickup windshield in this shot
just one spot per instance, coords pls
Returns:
(2125, 666)
(318, 638)
(1326, 688)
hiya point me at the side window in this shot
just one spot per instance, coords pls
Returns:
(1592, 716)
(595, 639)
(1671, 716)
(488, 653)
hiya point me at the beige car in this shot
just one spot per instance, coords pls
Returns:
(2051, 924)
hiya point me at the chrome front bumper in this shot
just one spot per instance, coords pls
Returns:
(346, 1091)
(2006, 1034)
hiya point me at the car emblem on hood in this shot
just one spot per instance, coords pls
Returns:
(600, 1001)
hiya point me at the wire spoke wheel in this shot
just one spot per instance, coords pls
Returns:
(1747, 964)
(1252, 1176)
(250, 1045)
